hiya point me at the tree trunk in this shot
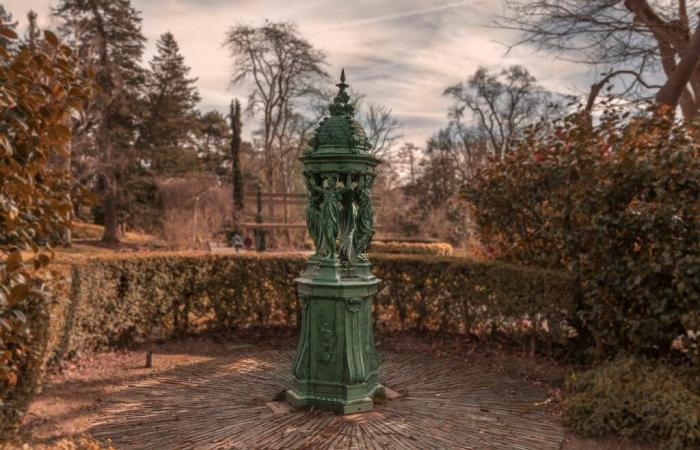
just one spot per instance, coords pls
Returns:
(236, 176)
(67, 238)
(669, 38)
(287, 231)
(675, 86)
(111, 215)
(105, 82)
(270, 175)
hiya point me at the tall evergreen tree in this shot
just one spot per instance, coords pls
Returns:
(170, 125)
(236, 176)
(213, 144)
(107, 34)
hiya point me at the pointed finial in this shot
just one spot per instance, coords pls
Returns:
(341, 103)
(342, 84)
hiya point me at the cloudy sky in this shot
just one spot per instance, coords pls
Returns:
(402, 53)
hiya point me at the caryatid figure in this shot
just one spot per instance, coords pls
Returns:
(365, 215)
(347, 222)
(313, 212)
(331, 206)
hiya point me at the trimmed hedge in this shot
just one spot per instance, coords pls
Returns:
(120, 300)
(412, 248)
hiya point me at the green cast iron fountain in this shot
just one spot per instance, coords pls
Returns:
(336, 363)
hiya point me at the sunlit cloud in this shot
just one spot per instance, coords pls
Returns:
(402, 53)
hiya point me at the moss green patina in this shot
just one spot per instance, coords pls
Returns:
(336, 363)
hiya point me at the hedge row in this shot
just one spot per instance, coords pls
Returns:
(118, 301)
(413, 248)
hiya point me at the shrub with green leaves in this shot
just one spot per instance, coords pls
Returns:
(635, 398)
(618, 204)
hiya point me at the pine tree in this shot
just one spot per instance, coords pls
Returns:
(236, 176)
(107, 34)
(213, 144)
(168, 132)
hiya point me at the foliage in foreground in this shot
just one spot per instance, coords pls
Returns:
(631, 397)
(40, 90)
(619, 205)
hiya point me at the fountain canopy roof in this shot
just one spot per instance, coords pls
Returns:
(339, 143)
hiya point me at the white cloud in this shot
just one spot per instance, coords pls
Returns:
(402, 53)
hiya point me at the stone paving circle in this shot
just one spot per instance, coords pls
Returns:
(227, 403)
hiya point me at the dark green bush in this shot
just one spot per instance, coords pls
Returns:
(117, 301)
(634, 398)
(619, 206)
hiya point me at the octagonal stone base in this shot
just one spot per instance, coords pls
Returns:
(338, 405)
(336, 363)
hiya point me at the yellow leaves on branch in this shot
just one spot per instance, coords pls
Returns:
(50, 38)
(42, 88)
(8, 32)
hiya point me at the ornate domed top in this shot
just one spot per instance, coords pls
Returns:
(339, 132)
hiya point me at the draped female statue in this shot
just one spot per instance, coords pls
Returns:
(330, 209)
(347, 221)
(365, 215)
(313, 212)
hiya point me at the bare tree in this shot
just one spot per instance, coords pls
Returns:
(383, 129)
(408, 154)
(643, 37)
(501, 105)
(468, 147)
(284, 69)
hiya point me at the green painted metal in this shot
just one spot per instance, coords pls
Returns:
(336, 362)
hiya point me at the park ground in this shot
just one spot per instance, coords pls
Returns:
(76, 389)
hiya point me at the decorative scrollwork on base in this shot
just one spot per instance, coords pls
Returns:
(327, 335)
(353, 304)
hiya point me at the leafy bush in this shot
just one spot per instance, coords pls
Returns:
(119, 300)
(634, 398)
(412, 248)
(617, 204)
(40, 90)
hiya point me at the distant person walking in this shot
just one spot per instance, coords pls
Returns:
(237, 242)
(248, 242)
